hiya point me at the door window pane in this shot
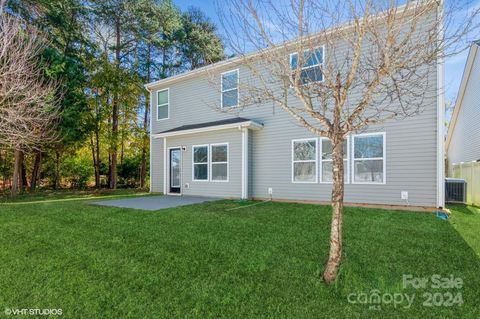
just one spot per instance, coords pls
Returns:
(175, 168)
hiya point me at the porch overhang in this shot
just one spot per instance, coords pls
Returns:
(239, 122)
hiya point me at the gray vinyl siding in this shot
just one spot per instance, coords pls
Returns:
(465, 141)
(156, 166)
(231, 188)
(411, 148)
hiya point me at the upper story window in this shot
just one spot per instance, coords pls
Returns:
(311, 68)
(163, 101)
(326, 161)
(369, 158)
(304, 161)
(230, 89)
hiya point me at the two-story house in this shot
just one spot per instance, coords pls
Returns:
(236, 152)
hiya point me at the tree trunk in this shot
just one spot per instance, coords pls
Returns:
(115, 111)
(335, 255)
(109, 169)
(146, 138)
(97, 146)
(23, 181)
(122, 147)
(37, 166)
(113, 153)
(95, 163)
(17, 174)
(56, 181)
(2, 164)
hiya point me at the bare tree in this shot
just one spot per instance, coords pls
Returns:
(27, 108)
(338, 67)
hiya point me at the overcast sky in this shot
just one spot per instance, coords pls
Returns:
(453, 66)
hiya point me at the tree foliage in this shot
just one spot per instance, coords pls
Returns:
(102, 53)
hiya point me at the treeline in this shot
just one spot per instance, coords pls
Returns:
(92, 58)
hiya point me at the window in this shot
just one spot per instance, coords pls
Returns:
(326, 161)
(219, 162)
(304, 161)
(230, 89)
(311, 69)
(369, 158)
(162, 104)
(200, 163)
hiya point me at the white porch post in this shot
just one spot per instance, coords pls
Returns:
(244, 163)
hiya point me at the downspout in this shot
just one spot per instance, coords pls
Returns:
(440, 114)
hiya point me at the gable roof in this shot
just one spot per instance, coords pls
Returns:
(461, 92)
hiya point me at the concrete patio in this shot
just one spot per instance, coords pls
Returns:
(155, 202)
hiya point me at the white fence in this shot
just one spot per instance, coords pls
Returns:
(470, 172)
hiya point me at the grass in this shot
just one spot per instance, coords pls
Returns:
(466, 220)
(208, 261)
(55, 195)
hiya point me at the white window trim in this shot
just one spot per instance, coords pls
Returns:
(384, 158)
(167, 104)
(223, 91)
(304, 161)
(208, 164)
(312, 66)
(346, 167)
(227, 162)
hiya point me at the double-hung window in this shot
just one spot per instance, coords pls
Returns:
(163, 97)
(326, 161)
(304, 161)
(229, 89)
(219, 162)
(311, 65)
(369, 158)
(200, 163)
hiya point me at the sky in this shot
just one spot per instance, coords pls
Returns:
(454, 65)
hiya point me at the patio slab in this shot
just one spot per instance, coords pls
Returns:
(155, 202)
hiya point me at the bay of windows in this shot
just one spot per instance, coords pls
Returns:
(210, 162)
(368, 159)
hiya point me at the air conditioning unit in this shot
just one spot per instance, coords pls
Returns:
(455, 190)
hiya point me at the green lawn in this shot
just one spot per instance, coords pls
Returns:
(207, 261)
(466, 220)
